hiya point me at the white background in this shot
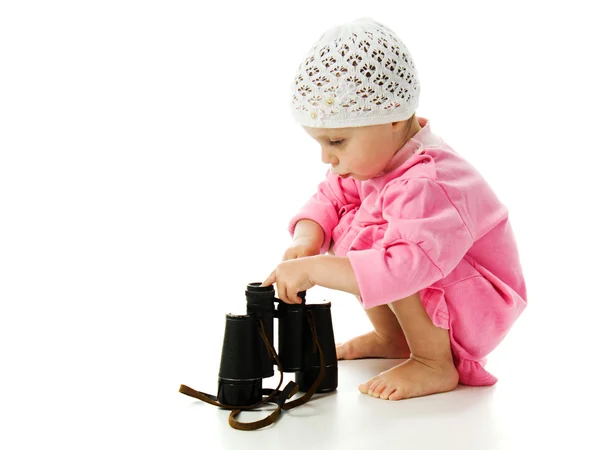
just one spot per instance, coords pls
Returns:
(149, 166)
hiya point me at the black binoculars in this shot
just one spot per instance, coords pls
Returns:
(246, 358)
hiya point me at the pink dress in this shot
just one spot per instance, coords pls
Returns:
(429, 223)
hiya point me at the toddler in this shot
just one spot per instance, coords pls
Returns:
(401, 220)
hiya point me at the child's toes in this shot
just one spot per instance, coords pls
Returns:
(382, 386)
(364, 388)
(385, 394)
(373, 389)
(396, 395)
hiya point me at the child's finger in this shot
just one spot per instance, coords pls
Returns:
(269, 281)
(280, 291)
(289, 254)
(284, 294)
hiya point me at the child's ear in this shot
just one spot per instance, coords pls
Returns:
(403, 124)
(397, 126)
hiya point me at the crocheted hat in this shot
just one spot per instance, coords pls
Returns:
(355, 75)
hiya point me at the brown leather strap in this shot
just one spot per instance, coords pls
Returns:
(287, 393)
(272, 395)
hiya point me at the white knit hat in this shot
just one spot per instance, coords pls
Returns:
(355, 75)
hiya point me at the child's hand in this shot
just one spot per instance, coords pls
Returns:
(292, 276)
(300, 248)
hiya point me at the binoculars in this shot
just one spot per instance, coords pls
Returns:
(246, 358)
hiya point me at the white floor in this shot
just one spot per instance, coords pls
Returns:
(467, 418)
(109, 378)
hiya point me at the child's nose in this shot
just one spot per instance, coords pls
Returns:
(328, 158)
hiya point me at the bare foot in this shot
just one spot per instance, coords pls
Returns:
(413, 378)
(373, 345)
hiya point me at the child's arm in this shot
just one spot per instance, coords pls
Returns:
(309, 231)
(308, 238)
(425, 239)
(295, 275)
(326, 207)
(334, 272)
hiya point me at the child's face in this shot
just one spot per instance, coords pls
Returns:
(360, 152)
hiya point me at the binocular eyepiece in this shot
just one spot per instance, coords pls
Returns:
(246, 359)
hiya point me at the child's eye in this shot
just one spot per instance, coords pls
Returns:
(336, 142)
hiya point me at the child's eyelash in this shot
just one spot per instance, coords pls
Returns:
(336, 142)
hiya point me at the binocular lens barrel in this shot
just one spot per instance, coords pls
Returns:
(240, 373)
(260, 303)
(292, 324)
(321, 314)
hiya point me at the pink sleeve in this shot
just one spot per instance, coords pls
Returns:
(426, 238)
(326, 206)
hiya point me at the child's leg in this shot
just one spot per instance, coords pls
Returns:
(385, 341)
(430, 368)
